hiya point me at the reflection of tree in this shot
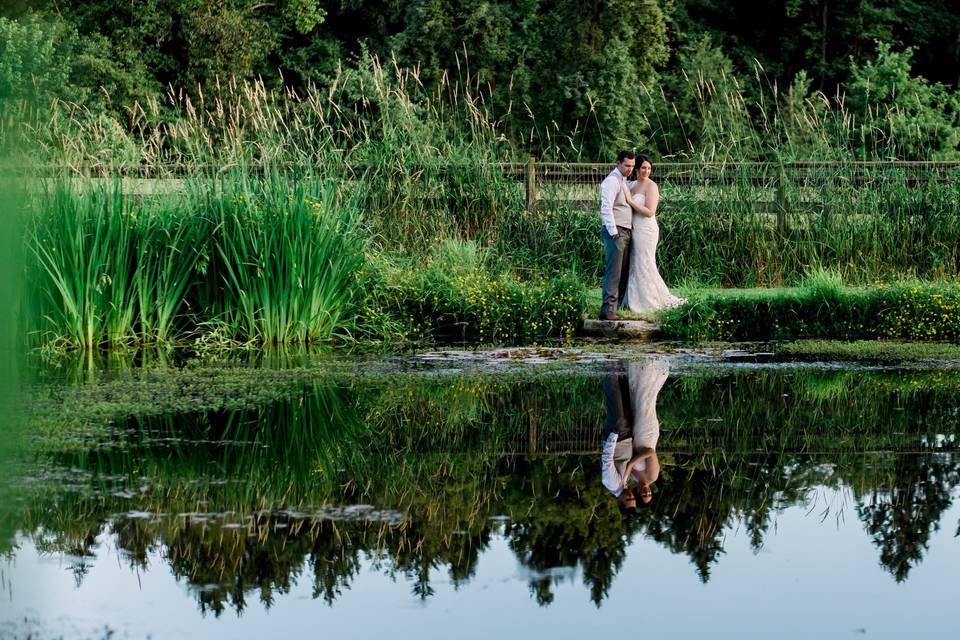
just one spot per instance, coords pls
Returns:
(563, 518)
(335, 560)
(442, 453)
(698, 499)
(559, 518)
(689, 516)
(70, 526)
(135, 539)
(419, 547)
(902, 514)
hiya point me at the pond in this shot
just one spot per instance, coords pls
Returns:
(481, 493)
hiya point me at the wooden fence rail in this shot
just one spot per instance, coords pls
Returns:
(775, 176)
(771, 182)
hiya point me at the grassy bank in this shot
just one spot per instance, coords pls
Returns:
(822, 307)
(265, 259)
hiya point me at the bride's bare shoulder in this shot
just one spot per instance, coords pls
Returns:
(649, 189)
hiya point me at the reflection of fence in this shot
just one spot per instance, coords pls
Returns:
(586, 439)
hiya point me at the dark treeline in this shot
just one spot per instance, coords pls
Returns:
(574, 80)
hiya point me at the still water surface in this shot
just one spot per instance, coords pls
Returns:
(426, 497)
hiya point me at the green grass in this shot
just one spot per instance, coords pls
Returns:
(822, 308)
(894, 352)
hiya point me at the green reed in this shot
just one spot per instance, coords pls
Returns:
(105, 268)
(242, 257)
(284, 256)
(82, 277)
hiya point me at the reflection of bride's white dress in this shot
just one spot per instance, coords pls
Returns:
(646, 290)
(645, 379)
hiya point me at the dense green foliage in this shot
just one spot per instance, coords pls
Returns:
(265, 260)
(571, 80)
(455, 294)
(763, 225)
(821, 308)
(397, 125)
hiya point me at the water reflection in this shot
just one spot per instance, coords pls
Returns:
(628, 457)
(417, 477)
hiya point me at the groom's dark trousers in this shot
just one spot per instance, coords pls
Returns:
(617, 269)
(616, 397)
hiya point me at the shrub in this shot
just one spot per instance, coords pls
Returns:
(898, 312)
(456, 297)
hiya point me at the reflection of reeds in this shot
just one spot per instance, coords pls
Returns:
(442, 452)
(413, 443)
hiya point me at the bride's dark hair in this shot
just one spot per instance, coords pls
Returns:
(640, 160)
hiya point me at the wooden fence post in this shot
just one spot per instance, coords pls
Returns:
(780, 203)
(531, 184)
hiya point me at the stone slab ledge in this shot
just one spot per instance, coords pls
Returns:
(637, 329)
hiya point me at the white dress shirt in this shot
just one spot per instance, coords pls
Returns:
(609, 192)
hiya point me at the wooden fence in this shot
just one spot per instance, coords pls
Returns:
(768, 187)
(776, 176)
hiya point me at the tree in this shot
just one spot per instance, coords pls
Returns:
(900, 115)
(35, 58)
(564, 77)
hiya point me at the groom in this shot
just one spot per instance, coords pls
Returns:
(617, 219)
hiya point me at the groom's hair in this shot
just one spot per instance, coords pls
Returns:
(625, 155)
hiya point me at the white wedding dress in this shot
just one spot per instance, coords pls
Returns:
(646, 290)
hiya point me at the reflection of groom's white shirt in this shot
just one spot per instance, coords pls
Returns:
(645, 380)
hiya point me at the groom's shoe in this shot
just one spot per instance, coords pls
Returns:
(612, 317)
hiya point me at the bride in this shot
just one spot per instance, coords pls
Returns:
(646, 290)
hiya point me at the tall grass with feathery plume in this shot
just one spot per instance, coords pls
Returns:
(212, 205)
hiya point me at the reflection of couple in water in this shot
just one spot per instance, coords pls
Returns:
(631, 430)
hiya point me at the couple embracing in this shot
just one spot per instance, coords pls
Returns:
(628, 210)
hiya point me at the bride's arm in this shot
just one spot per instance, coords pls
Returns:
(645, 210)
(653, 198)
